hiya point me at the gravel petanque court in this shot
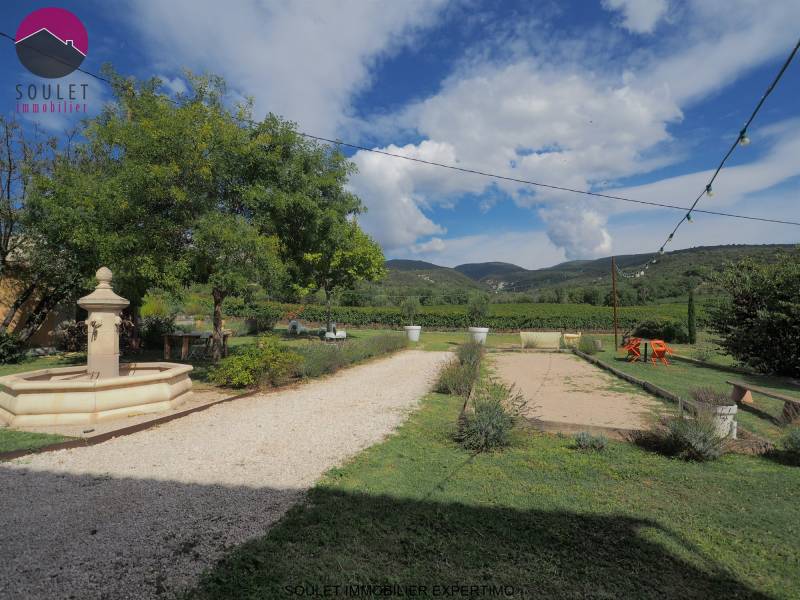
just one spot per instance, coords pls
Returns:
(563, 388)
(142, 516)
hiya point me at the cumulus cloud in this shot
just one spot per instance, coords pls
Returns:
(304, 60)
(638, 16)
(560, 122)
(528, 249)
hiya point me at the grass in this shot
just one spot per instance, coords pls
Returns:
(680, 377)
(541, 516)
(11, 439)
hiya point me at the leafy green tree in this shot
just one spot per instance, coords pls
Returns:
(344, 255)
(229, 254)
(759, 320)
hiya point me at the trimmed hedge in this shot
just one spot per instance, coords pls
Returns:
(582, 317)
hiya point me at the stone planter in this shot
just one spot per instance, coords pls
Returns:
(724, 418)
(412, 331)
(479, 334)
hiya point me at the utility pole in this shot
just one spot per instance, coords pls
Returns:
(614, 298)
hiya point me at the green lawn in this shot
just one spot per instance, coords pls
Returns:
(680, 377)
(543, 517)
(11, 439)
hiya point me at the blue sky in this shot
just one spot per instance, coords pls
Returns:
(637, 96)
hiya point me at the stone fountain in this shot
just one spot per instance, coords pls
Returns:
(100, 390)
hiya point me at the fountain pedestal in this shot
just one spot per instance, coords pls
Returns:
(103, 324)
(101, 389)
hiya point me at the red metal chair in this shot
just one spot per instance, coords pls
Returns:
(660, 351)
(633, 348)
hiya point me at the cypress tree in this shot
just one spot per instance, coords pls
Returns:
(692, 319)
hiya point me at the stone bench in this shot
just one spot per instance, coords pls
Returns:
(741, 394)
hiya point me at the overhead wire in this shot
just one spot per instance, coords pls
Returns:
(481, 172)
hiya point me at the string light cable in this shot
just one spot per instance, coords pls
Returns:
(742, 139)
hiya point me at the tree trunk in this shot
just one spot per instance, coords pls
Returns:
(12, 310)
(328, 311)
(216, 340)
(39, 314)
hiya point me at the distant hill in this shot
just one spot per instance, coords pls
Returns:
(481, 271)
(576, 281)
(411, 265)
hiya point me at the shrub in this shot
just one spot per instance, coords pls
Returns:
(662, 329)
(456, 378)
(11, 348)
(477, 310)
(471, 353)
(409, 308)
(711, 396)
(493, 413)
(586, 441)
(265, 363)
(791, 443)
(153, 329)
(586, 344)
(155, 304)
(321, 358)
(693, 438)
(262, 317)
(71, 336)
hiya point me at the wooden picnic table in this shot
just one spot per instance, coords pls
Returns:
(185, 339)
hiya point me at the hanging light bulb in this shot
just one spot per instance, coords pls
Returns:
(689, 217)
(743, 139)
(655, 260)
(660, 251)
(641, 273)
(669, 239)
(709, 191)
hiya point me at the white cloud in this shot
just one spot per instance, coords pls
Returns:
(304, 60)
(639, 16)
(558, 122)
(528, 249)
(433, 245)
(522, 120)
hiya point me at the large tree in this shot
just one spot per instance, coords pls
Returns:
(343, 255)
(759, 319)
(229, 254)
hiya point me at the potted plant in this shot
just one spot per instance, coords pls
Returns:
(477, 311)
(720, 407)
(409, 308)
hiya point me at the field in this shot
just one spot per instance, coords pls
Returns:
(581, 317)
(543, 518)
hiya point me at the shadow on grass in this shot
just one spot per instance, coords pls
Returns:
(347, 538)
(94, 535)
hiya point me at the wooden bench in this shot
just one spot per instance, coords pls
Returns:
(741, 394)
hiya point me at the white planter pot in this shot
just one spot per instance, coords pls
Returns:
(724, 419)
(479, 334)
(412, 331)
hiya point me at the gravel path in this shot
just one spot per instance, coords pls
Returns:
(142, 516)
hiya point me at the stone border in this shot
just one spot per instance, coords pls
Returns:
(650, 387)
(752, 440)
(108, 435)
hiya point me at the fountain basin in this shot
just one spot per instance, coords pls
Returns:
(71, 396)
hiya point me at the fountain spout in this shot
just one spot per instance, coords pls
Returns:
(103, 324)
